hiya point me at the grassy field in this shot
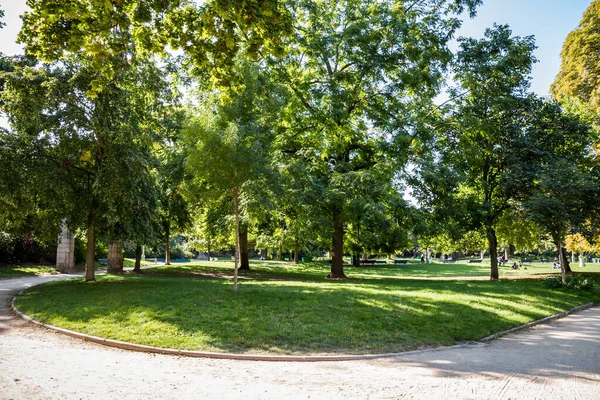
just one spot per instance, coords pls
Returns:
(285, 309)
(15, 271)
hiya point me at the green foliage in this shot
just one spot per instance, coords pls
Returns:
(573, 282)
(553, 283)
(117, 34)
(579, 78)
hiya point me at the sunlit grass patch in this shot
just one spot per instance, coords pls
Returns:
(13, 271)
(292, 309)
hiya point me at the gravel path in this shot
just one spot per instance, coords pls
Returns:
(560, 360)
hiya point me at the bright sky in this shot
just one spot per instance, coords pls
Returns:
(548, 20)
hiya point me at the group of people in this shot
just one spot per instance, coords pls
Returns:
(502, 260)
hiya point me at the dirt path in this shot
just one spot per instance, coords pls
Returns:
(560, 360)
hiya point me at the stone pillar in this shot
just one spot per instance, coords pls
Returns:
(115, 257)
(65, 252)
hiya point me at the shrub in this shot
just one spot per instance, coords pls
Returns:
(553, 283)
(573, 282)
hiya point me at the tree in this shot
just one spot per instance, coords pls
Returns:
(93, 147)
(578, 82)
(483, 142)
(357, 72)
(563, 190)
(228, 142)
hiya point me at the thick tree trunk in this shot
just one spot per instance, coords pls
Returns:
(237, 238)
(208, 252)
(493, 243)
(337, 246)
(244, 260)
(506, 253)
(115, 258)
(296, 251)
(138, 259)
(90, 251)
(357, 260)
(168, 245)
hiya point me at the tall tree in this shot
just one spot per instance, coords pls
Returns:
(483, 141)
(357, 72)
(564, 191)
(228, 142)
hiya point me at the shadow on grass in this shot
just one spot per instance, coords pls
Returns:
(291, 316)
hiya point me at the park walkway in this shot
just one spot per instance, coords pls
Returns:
(559, 360)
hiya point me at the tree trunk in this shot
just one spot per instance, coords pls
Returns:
(138, 259)
(237, 238)
(567, 264)
(168, 245)
(281, 251)
(481, 254)
(506, 253)
(563, 261)
(91, 249)
(357, 260)
(493, 243)
(115, 257)
(244, 261)
(208, 252)
(296, 251)
(337, 246)
(581, 261)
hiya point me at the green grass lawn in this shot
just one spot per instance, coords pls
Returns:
(285, 309)
(15, 271)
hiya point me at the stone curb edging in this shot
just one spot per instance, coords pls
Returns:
(255, 357)
(537, 322)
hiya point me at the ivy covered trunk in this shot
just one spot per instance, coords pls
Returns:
(138, 259)
(337, 246)
(296, 251)
(244, 260)
(91, 244)
(168, 244)
(493, 243)
(90, 252)
(236, 206)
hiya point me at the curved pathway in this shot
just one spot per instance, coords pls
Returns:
(559, 360)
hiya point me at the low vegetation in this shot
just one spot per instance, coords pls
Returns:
(286, 309)
(15, 271)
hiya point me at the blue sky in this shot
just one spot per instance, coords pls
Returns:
(548, 20)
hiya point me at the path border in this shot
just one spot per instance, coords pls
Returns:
(262, 357)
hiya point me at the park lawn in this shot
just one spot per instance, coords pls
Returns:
(130, 262)
(15, 271)
(286, 309)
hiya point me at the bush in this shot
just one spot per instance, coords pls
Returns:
(25, 249)
(553, 283)
(573, 282)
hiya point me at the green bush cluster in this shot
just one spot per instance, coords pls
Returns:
(573, 282)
